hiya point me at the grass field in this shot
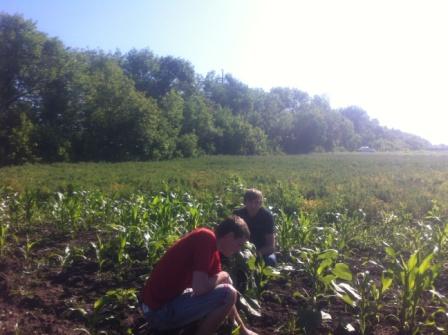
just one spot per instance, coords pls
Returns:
(361, 237)
(359, 180)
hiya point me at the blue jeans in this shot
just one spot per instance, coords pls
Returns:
(270, 260)
(187, 308)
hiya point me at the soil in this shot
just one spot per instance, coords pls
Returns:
(39, 296)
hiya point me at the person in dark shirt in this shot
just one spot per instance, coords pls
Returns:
(188, 284)
(261, 225)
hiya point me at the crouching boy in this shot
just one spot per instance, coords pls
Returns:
(188, 284)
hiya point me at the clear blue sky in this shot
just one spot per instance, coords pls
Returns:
(385, 56)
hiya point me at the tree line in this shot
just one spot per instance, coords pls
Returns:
(63, 104)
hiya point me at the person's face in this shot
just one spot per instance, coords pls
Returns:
(229, 244)
(253, 206)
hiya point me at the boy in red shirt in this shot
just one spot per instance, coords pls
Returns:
(188, 284)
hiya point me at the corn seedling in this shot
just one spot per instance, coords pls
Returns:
(371, 298)
(413, 276)
(26, 250)
(100, 252)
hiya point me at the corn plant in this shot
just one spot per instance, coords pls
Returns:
(71, 255)
(28, 201)
(163, 210)
(414, 276)
(193, 216)
(286, 231)
(66, 210)
(116, 297)
(439, 318)
(14, 209)
(250, 276)
(112, 307)
(114, 251)
(100, 252)
(26, 249)
(96, 208)
(328, 278)
(259, 275)
(322, 269)
(122, 255)
(437, 228)
(371, 298)
(292, 231)
(342, 226)
(132, 211)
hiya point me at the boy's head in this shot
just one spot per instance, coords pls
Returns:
(253, 200)
(231, 235)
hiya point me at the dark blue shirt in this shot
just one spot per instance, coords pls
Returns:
(260, 225)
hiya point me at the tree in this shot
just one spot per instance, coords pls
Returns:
(121, 123)
(239, 137)
(58, 104)
(171, 123)
(309, 132)
(143, 68)
(198, 120)
(229, 92)
(29, 62)
(175, 73)
(340, 132)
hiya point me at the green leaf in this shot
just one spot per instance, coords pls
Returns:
(426, 264)
(342, 271)
(349, 289)
(328, 254)
(327, 279)
(437, 294)
(248, 307)
(99, 303)
(346, 298)
(236, 330)
(386, 281)
(324, 265)
(412, 262)
(391, 252)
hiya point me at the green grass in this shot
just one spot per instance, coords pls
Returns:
(370, 181)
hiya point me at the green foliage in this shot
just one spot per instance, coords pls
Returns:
(414, 276)
(3, 238)
(293, 231)
(326, 275)
(371, 298)
(113, 298)
(58, 104)
(111, 308)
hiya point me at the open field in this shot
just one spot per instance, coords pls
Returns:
(362, 240)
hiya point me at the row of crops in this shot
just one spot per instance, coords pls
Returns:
(388, 270)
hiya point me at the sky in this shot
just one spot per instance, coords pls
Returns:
(388, 57)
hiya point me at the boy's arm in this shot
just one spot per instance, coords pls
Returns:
(269, 247)
(202, 283)
(243, 329)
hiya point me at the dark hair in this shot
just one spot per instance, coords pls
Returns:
(252, 194)
(233, 224)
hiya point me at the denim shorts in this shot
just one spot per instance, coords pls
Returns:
(270, 260)
(187, 308)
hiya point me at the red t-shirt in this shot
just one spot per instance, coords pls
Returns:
(195, 251)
